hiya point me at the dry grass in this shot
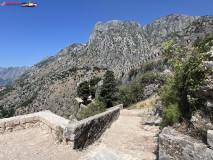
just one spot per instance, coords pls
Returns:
(148, 103)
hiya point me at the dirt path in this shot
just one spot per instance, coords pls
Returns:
(126, 139)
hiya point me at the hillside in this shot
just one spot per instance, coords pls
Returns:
(7, 75)
(51, 83)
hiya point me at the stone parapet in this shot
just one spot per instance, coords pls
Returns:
(85, 132)
(45, 119)
(78, 134)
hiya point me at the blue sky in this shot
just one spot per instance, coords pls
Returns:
(27, 35)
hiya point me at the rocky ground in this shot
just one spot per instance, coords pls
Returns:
(126, 139)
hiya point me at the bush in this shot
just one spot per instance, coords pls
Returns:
(6, 113)
(137, 91)
(125, 96)
(91, 110)
(132, 72)
(171, 115)
(203, 45)
(152, 77)
(178, 95)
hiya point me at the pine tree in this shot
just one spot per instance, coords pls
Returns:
(108, 89)
(83, 90)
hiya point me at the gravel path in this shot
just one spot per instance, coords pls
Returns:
(126, 139)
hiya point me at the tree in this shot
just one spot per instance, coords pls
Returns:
(83, 90)
(125, 96)
(137, 91)
(92, 83)
(108, 89)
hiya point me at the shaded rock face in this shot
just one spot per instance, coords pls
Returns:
(51, 83)
(9, 74)
(174, 145)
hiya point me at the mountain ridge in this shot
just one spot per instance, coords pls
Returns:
(51, 83)
(9, 74)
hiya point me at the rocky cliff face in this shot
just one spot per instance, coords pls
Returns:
(51, 84)
(9, 74)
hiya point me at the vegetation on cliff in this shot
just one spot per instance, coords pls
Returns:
(178, 95)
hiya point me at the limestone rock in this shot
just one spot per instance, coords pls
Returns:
(175, 145)
(210, 138)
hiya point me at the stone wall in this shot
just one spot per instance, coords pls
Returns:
(45, 119)
(78, 134)
(85, 132)
(174, 145)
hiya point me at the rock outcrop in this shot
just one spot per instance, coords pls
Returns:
(175, 145)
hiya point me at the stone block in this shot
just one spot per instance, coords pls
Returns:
(17, 128)
(210, 138)
(37, 118)
(9, 124)
(8, 130)
(29, 125)
(37, 124)
(22, 121)
(2, 125)
(2, 130)
(16, 122)
(30, 120)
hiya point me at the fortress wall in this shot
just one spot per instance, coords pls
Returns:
(83, 133)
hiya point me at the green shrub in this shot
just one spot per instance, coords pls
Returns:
(204, 45)
(179, 94)
(59, 133)
(28, 101)
(91, 110)
(6, 113)
(171, 115)
(132, 72)
(152, 77)
(125, 96)
(137, 91)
